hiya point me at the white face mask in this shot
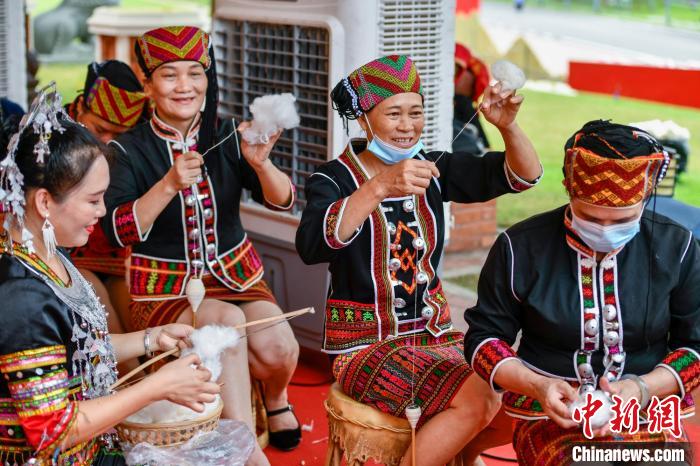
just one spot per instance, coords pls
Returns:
(389, 153)
(605, 238)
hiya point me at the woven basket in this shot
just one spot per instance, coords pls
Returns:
(168, 434)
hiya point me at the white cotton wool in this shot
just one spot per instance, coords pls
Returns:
(208, 343)
(603, 415)
(271, 113)
(508, 74)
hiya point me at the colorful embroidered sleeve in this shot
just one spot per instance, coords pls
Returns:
(126, 227)
(684, 364)
(317, 236)
(488, 357)
(495, 320)
(518, 184)
(38, 383)
(684, 339)
(289, 205)
(331, 225)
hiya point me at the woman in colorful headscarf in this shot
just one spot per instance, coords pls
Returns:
(177, 207)
(375, 215)
(112, 102)
(57, 357)
(606, 296)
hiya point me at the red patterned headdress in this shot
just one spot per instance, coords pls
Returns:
(612, 165)
(172, 43)
(466, 61)
(114, 104)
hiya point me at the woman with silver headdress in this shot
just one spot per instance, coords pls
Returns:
(57, 358)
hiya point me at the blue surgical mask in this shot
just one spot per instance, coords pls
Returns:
(391, 154)
(604, 238)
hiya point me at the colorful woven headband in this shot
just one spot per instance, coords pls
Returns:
(113, 104)
(599, 171)
(172, 43)
(466, 61)
(370, 84)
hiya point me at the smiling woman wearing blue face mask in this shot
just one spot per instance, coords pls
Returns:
(605, 297)
(375, 215)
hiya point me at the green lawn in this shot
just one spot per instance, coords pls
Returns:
(69, 78)
(550, 119)
(41, 6)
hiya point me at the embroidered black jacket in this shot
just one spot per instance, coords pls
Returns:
(162, 257)
(541, 278)
(393, 257)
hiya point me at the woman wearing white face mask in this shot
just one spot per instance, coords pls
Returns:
(606, 298)
(375, 215)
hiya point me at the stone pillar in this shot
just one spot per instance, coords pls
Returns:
(116, 29)
(474, 226)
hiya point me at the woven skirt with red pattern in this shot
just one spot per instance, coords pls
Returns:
(386, 374)
(153, 313)
(544, 443)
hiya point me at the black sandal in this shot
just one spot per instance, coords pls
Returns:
(288, 439)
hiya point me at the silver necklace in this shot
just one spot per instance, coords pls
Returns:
(94, 359)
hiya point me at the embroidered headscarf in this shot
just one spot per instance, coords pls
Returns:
(373, 82)
(113, 92)
(172, 43)
(184, 43)
(468, 62)
(612, 165)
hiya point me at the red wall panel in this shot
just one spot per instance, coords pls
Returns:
(667, 85)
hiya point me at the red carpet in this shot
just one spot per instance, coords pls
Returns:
(308, 390)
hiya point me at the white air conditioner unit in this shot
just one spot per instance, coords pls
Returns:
(13, 60)
(305, 47)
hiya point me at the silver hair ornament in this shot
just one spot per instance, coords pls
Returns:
(43, 118)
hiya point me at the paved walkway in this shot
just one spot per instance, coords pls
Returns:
(633, 37)
(460, 298)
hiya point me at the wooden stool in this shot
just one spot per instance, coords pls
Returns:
(360, 432)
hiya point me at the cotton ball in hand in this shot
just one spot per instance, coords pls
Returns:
(209, 342)
(271, 113)
(508, 74)
(602, 415)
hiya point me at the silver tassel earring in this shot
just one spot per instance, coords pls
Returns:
(49, 235)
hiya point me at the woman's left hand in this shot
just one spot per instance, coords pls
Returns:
(257, 155)
(171, 336)
(500, 107)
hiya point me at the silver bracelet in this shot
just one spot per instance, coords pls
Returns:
(643, 387)
(147, 342)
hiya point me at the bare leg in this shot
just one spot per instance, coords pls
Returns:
(498, 432)
(471, 410)
(235, 377)
(273, 355)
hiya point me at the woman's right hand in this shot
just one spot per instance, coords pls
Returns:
(407, 177)
(555, 395)
(186, 383)
(186, 171)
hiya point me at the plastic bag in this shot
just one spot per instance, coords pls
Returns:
(231, 444)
